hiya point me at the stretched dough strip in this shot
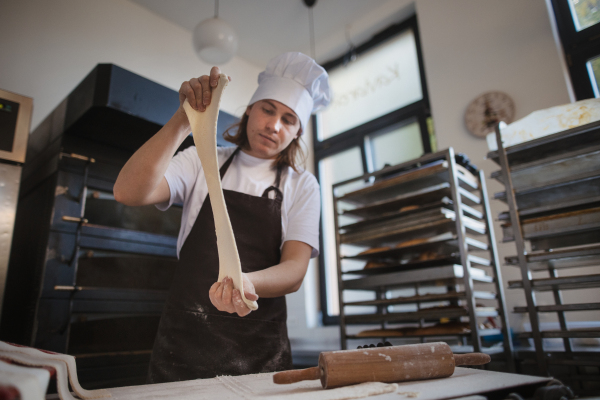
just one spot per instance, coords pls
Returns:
(204, 129)
(63, 364)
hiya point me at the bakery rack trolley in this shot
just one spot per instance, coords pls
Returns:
(425, 227)
(553, 195)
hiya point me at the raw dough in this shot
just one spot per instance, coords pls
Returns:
(30, 383)
(204, 129)
(408, 208)
(63, 364)
(412, 242)
(375, 264)
(373, 250)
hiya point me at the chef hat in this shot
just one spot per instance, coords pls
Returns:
(297, 81)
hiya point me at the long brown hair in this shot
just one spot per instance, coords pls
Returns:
(291, 156)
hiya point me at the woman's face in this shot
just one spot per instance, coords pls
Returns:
(271, 128)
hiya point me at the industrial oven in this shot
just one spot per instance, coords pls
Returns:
(89, 276)
(15, 118)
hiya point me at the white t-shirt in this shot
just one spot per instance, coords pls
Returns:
(300, 211)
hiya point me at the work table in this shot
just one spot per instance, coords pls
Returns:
(464, 382)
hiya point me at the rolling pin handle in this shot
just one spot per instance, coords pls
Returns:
(471, 359)
(297, 375)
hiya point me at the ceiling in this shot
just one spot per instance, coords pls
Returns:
(267, 28)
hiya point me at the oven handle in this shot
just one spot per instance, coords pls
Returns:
(65, 288)
(67, 218)
(78, 157)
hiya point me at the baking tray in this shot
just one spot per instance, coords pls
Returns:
(558, 224)
(406, 217)
(437, 276)
(568, 257)
(567, 282)
(561, 307)
(482, 332)
(581, 137)
(426, 195)
(451, 259)
(410, 215)
(426, 315)
(568, 240)
(577, 193)
(443, 244)
(423, 298)
(433, 222)
(591, 333)
(555, 170)
(420, 178)
(435, 297)
(411, 316)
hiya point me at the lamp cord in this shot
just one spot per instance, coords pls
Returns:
(312, 33)
(216, 8)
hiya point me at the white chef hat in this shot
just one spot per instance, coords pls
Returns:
(297, 81)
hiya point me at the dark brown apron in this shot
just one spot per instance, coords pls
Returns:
(194, 339)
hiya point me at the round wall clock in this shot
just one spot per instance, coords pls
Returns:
(486, 110)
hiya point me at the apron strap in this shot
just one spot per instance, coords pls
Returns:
(225, 166)
(275, 187)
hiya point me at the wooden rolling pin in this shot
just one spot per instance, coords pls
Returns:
(383, 364)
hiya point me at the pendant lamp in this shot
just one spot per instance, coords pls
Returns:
(215, 41)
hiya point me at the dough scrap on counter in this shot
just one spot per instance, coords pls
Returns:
(66, 369)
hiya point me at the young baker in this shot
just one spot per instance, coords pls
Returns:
(274, 207)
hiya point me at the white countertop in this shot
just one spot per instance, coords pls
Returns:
(464, 382)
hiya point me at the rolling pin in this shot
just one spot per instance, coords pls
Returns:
(383, 364)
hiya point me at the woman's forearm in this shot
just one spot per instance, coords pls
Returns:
(139, 178)
(285, 277)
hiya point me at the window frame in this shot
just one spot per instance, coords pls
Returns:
(578, 48)
(355, 137)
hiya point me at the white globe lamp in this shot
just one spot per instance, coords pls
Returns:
(215, 41)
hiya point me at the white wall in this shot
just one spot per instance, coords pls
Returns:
(48, 47)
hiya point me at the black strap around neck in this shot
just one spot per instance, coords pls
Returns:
(275, 186)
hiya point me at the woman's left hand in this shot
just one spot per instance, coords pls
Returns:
(226, 298)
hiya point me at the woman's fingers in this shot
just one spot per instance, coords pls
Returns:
(214, 76)
(213, 289)
(251, 296)
(186, 91)
(206, 91)
(212, 295)
(240, 307)
(226, 298)
(196, 86)
(198, 91)
(227, 291)
(219, 293)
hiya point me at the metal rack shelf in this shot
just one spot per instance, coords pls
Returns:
(421, 222)
(553, 195)
(391, 333)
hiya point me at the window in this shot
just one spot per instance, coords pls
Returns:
(379, 116)
(578, 23)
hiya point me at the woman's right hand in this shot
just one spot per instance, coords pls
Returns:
(198, 91)
(227, 298)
